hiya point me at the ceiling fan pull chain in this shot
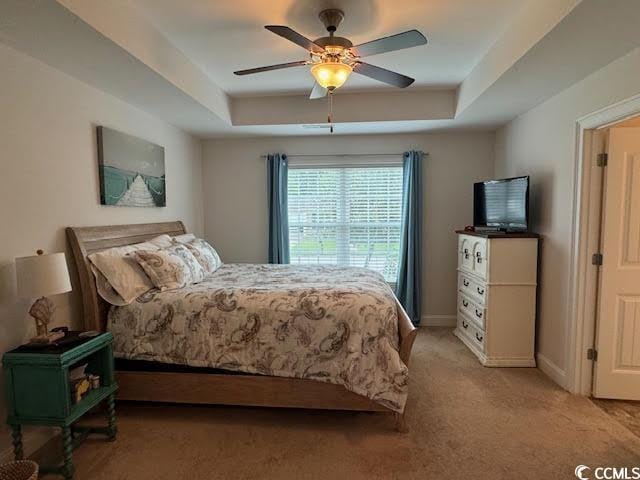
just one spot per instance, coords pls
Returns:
(330, 115)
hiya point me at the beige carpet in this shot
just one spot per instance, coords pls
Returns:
(625, 412)
(466, 422)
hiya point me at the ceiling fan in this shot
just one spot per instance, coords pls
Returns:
(333, 59)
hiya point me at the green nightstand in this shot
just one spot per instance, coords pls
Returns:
(38, 392)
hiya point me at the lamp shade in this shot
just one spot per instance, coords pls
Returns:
(42, 275)
(331, 74)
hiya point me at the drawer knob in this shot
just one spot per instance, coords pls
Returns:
(465, 282)
(465, 325)
(479, 337)
(478, 314)
(480, 290)
(479, 259)
(465, 303)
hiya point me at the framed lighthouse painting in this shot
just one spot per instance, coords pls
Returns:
(131, 170)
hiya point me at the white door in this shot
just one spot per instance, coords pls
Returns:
(617, 369)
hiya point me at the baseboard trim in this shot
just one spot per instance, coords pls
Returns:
(438, 321)
(486, 361)
(517, 362)
(551, 370)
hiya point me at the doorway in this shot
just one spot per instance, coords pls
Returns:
(616, 369)
(606, 273)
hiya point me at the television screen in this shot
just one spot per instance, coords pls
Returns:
(502, 203)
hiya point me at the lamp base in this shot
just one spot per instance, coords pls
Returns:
(42, 312)
(49, 337)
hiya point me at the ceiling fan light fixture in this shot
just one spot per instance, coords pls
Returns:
(331, 75)
(333, 58)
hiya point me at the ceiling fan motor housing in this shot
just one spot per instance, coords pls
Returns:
(331, 18)
(335, 47)
(324, 42)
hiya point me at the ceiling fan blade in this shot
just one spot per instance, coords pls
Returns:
(412, 38)
(318, 91)
(268, 68)
(383, 75)
(295, 37)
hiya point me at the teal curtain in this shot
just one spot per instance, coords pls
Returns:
(409, 285)
(278, 216)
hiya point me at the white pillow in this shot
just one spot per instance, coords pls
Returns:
(165, 241)
(105, 290)
(162, 241)
(185, 238)
(123, 273)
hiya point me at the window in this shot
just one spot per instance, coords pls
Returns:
(346, 216)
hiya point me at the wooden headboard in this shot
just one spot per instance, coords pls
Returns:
(87, 240)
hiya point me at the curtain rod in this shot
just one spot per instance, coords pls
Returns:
(341, 155)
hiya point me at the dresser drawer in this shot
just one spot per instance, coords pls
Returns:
(470, 309)
(480, 257)
(472, 255)
(465, 253)
(471, 331)
(472, 288)
(477, 337)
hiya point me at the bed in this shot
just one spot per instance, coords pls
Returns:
(263, 386)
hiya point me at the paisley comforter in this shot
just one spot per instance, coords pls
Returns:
(325, 323)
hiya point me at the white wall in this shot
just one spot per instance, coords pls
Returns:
(49, 179)
(541, 143)
(236, 199)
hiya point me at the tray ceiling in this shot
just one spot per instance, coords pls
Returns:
(487, 61)
(223, 36)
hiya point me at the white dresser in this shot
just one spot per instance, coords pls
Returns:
(497, 280)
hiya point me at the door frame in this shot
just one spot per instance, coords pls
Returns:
(585, 240)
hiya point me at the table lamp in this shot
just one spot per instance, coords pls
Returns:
(41, 276)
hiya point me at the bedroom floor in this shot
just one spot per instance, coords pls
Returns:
(465, 421)
(625, 412)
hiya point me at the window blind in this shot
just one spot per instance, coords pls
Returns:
(346, 216)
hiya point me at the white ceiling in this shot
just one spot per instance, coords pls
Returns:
(224, 36)
(490, 63)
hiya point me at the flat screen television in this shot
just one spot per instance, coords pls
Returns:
(502, 203)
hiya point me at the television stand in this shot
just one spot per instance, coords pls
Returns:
(499, 234)
(489, 229)
(497, 280)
